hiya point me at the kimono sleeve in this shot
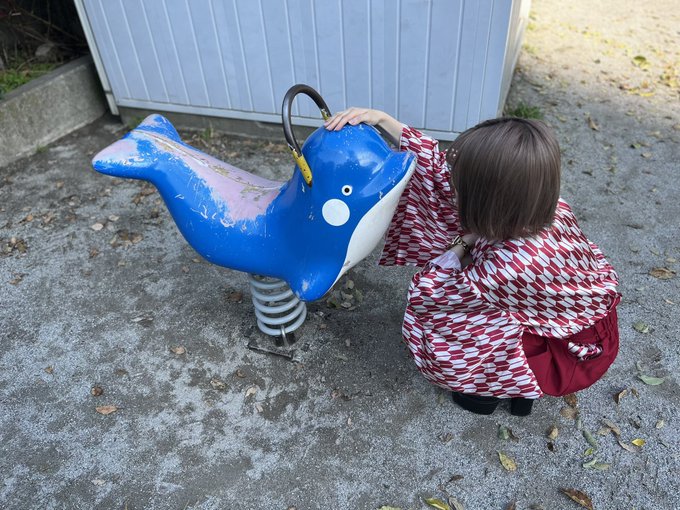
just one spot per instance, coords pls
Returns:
(426, 218)
(460, 342)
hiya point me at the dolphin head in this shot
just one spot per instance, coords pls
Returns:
(357, 182)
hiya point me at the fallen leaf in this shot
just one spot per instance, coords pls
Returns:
(240, 373)
(455, 504)
(511, 506)
(251, 391)
(97, 391)
(660, 424)
(259, 408)
(106, 410)
(437, 503)
(455, 478)
(612, 426)
(662, 273)
(579, 497)
(446, 438)
(592, 125)
(640, 61)
(638, 442)
(571, 399)
(640, 327)
(98, 482)
(651, 381)
(503, 432)
(507, 462)
(626, 446)
(646, 155)
(569, 412)
(179, 350)
(97, 227)
(17, 279)
(218, 384)
(114, 218)
(619, 396)
(553, 433)
(235, 297)
(49, 370)
(596, 464)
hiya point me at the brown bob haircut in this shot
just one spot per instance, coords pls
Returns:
(506, 175)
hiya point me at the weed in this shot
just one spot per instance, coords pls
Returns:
(524, 111)
(15, 76)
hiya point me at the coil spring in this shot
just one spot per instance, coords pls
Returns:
(277, 309)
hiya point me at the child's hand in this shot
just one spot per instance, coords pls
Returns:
(354, 116)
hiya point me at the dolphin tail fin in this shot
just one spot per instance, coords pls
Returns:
(134, 156)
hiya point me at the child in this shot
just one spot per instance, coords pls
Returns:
(512, 300)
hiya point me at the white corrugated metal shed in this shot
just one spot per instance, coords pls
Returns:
(439, 65)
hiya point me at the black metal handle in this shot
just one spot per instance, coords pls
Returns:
(288, 127)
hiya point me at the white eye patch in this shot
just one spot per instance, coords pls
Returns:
(347, 190)
(335, 212)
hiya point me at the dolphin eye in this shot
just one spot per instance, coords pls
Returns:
(347, 190)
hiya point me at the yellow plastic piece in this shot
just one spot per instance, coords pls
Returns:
(303, 166)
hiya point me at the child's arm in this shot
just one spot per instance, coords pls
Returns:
(353, 116)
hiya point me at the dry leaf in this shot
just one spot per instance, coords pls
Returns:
(592, 125)
(179, 350)
(626, 446)
(579, 497)
(96, 391)
(571, 399)
(662, 273)
(259, 408)
(240, 373)
(511, 506)
(105, 410)
(660, 424)
(235, 297)
(553, 433)
(217, 384)
(503, 432)
(646, 155)
(651, 381)
(589, 437)
(619, 396)
(455, 478)
(638, 442)
(612, 426)
(97, 227)
(49, 370)
(640, 327)
(437, 503)
(569, 412)
(596, 464)
(455, 504)
(507, 462)
(251, 391)
(446, 438)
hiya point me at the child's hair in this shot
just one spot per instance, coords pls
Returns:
(506, 175)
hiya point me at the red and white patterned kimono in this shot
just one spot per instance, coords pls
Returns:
(464, 327)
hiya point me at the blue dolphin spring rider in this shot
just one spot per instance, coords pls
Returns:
(295, 238)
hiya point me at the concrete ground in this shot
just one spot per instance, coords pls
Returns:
(98, 290)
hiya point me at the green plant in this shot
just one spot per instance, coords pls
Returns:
(16, 76)
(524, 111)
